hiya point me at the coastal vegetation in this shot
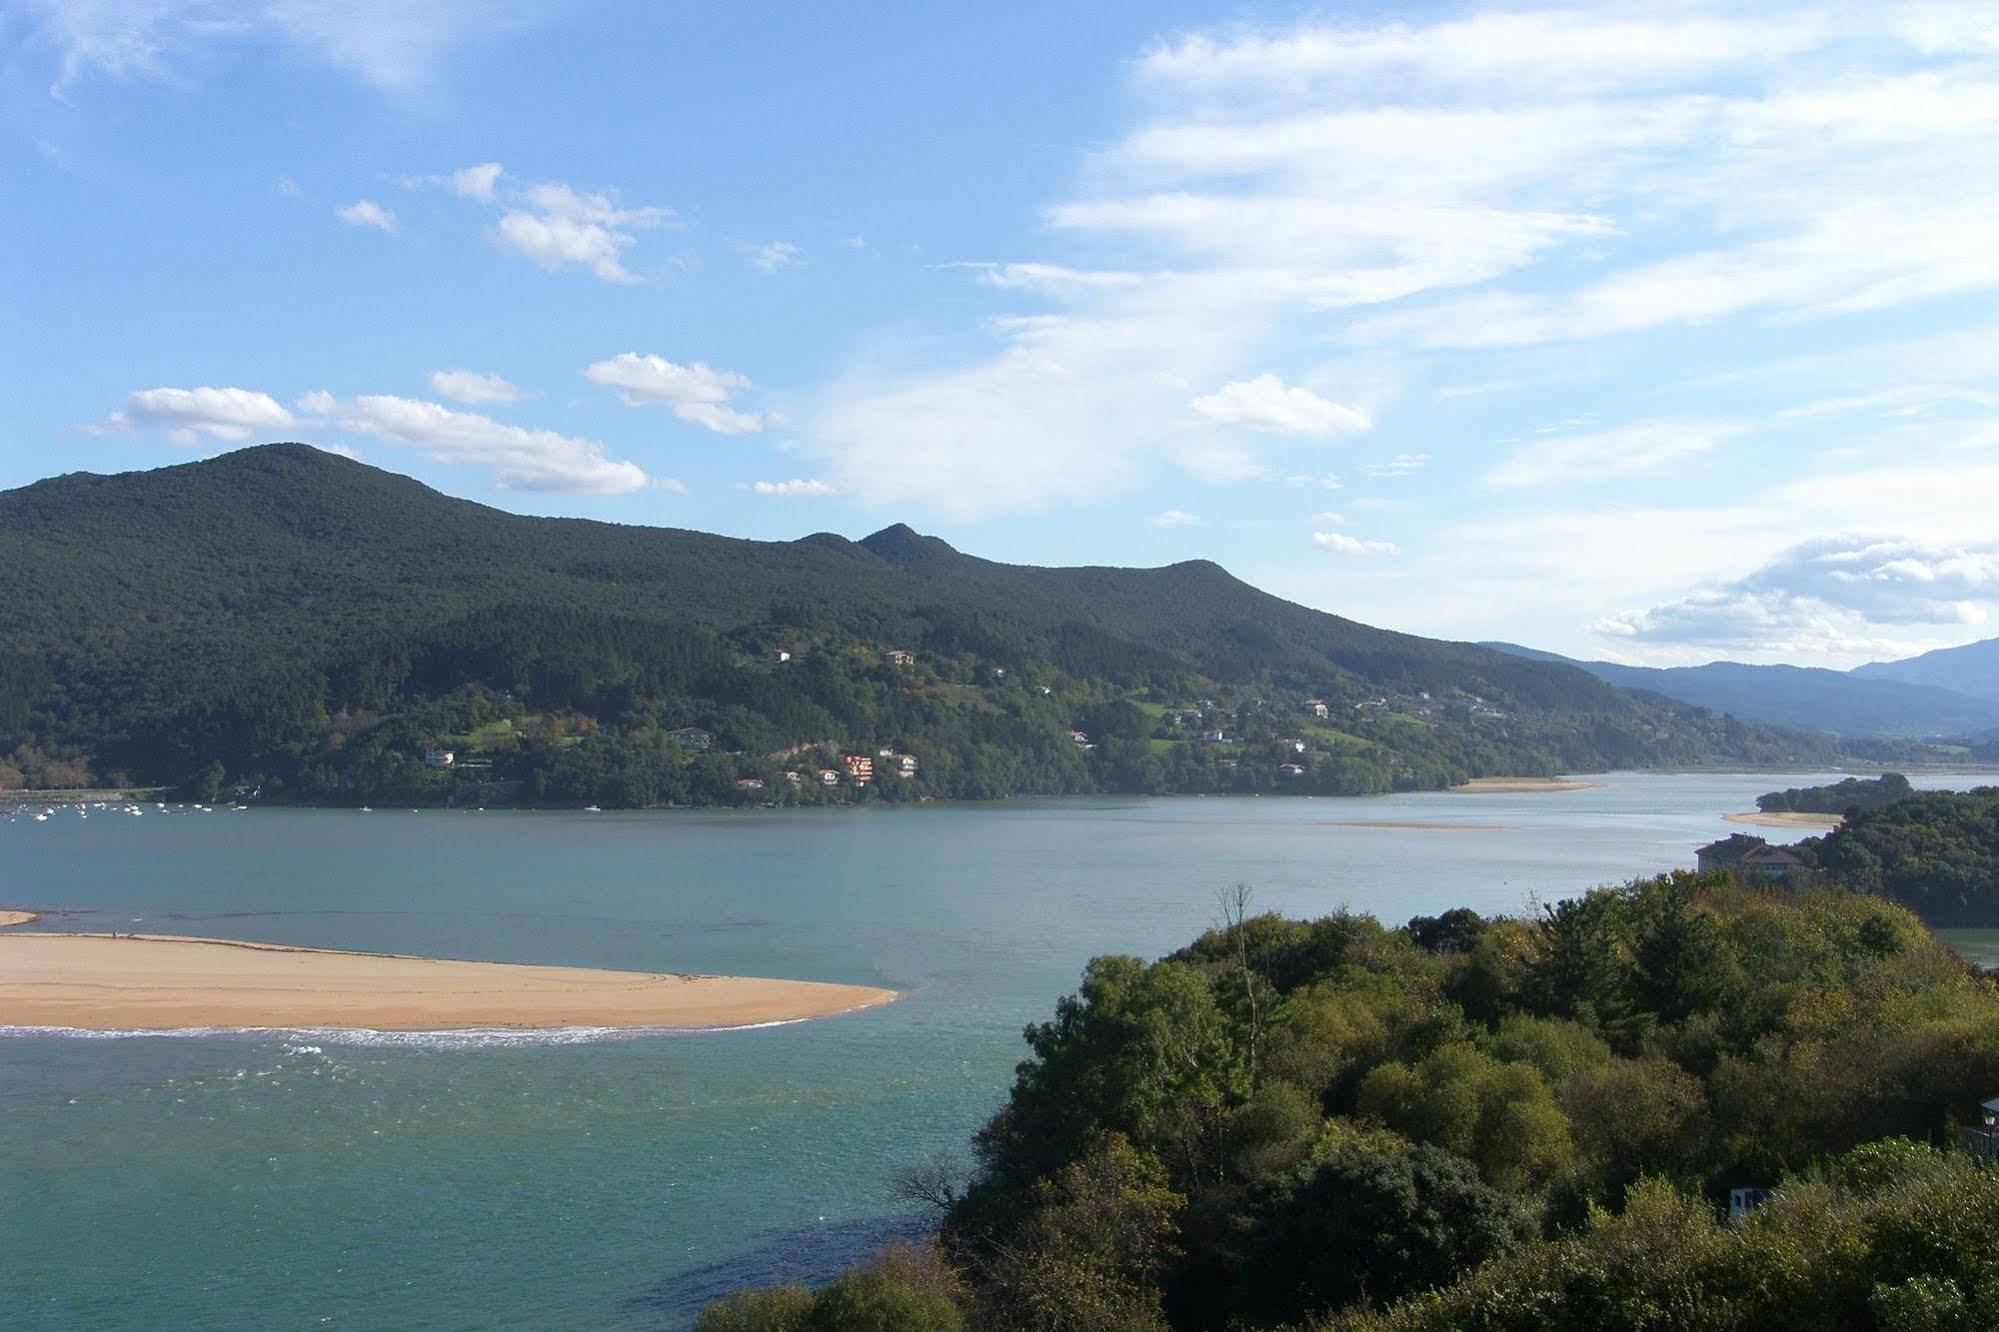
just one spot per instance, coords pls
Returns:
(286, 622)
(1838, 797)
(1470, 1122)
(1936, 852)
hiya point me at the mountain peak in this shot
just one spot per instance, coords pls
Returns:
(901, 544)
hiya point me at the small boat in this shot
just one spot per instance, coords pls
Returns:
(593, 809)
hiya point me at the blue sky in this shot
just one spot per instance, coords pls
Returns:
(1662, 332)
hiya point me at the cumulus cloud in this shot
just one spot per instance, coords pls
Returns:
(770, 258)
(1268, 403)
(475, 182)
(187, 415)
(791, 489)
(523, 459)
(1827, 595)
(698, 393)
(473, 388)
(1568, 459)
(558, 227)
(366, 213)
(1339, 543)
(1174, 518)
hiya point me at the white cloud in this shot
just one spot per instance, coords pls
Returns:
(475, 182)
(469, 386)
(698, 393)
(1402, 464)
(229, 414)
(318, 402)
(1833, 594)
(1174, 518)
(770, 258)
(557, 227)
(1490, 180)
(393, 45)
(1339, 543)
(1268, 403)
(535, 460)
(791, 489)
(366, 213)
(1570, 459)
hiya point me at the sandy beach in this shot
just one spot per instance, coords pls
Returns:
(1786, 819)
(160, 982)
(1520, 785)
(10, 917)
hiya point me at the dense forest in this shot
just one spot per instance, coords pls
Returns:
(1936, 852)
(1509, 1123)
(286, 622)
(1838, 797)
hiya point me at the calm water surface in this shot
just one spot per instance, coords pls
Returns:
(262, 1180)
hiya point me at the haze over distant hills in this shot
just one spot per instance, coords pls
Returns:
(1950, 692)
(1971, 669)
(286, 617)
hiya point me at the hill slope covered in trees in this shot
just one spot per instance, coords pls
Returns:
(290, 620)
(1514, 1123)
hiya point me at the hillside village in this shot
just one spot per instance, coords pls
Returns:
(1338, 740)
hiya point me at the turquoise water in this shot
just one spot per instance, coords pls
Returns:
(260, 1180)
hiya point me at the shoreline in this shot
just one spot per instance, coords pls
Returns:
(153, 982)
(1521, 786)
(13, 917)
(1785, 819)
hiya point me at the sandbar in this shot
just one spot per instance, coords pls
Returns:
(8, 917)
(1786, 819)
(148, 982)
(1411, 825)
(1521, 785)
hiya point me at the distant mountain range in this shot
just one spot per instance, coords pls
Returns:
(286, 618)
(1953, 692)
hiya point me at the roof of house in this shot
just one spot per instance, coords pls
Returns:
(1734, 846)
(1772, 855)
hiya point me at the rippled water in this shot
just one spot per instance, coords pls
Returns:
(500, 1179)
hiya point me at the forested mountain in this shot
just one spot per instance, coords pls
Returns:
(1972, 669)
(1869, 701)
(287, 619)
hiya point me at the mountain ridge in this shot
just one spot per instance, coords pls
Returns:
(1861, 702)
(271, 609)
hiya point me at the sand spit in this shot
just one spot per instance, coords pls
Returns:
(11, 917)
(1786, 819)
(1521, 785)
(103, 982)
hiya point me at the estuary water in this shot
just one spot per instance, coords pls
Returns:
(260, 1179)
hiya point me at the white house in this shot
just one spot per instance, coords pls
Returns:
(438, 758)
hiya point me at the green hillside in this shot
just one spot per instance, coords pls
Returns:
(291, 620)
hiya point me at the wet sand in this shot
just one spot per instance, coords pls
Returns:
(1521, 785)
(9, 917)
(162, 982)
